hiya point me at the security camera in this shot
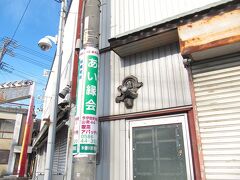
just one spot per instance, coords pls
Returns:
(45, 44)
(64, 92)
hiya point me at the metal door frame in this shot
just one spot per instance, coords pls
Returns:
(171, 119)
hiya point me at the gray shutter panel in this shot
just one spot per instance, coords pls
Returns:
(217, 90)
(60, 151)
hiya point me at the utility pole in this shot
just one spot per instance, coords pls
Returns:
(86, 119)
(7, 42)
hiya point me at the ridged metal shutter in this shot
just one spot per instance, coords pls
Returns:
(60, 151)
(217, 90)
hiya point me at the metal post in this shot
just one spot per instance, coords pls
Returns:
(54, 100)
(84, 166)
(27, 135)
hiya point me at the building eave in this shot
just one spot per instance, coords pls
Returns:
(61, 120)
(160, 33)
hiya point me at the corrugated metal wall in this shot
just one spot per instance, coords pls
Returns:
(41, 158)
(120, 16)
(59, 159)
(165, 85)
(165, 81)
(112, 151)
(217, 88)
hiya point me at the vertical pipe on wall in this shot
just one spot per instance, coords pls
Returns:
(69, 156)
(76, 54)
(54, 100)
(198, 138)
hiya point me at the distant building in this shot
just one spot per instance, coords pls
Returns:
(12, 125)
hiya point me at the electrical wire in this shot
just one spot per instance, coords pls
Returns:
(24, 77)
(30, 75)
(3, 75)
(24, 12)
(38, 65)
(35, 53)
(32, 61)
(14, 44)
(11, 70)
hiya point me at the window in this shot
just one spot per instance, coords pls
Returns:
(160, 149)
(6, 129)
(4, 154)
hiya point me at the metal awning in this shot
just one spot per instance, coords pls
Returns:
(63, 114)
(159, 33)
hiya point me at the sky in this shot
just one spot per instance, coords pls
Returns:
(29, 62)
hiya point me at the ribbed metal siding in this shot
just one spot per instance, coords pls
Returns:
(105, 23)
(41, 158)
(120, 16)
(165, 81)
(112, 151)
(60, 151)
(217, 88)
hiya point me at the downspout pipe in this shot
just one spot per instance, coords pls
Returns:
(76, 54)
(199, 164)
(54, 101)
(69, 156)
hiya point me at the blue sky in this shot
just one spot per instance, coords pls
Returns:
(41, 19)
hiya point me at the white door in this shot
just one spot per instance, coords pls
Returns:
(159, 149)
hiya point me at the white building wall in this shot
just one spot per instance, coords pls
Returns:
(165, 80)
(67, 57)
(121, 16)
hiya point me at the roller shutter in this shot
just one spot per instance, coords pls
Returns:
(217, 91)
(60, 151)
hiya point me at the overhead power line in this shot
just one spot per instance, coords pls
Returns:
(8, 68)
(4, 47)
(22, 76)
(31, 60)
(31, 75)
(9, 45)
(14, 44)
(20, 21)
(35, 53)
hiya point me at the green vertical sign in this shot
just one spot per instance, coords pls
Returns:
(86, 119)
(90, 95)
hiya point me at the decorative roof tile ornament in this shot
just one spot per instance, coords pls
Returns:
(128, 91)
